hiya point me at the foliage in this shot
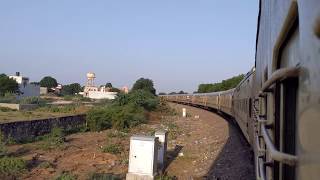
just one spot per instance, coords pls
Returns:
(9, 98)
(144, 84)
(182, 92)
(11, 166)
(32, 100)
(162, 93)
(144, 99)
(71, 89)
(112, 149)
(109, 85)
(7, 85)
(53, 140)
(101, 176)
(3, 148)
(113, 89)
(126, 111)
(99, 119)
(48, 82)
(66, 176)
(58, 109)
(222, 86)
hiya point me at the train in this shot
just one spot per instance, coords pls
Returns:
(277, 104)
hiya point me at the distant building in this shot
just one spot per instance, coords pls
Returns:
(25, 88)
(125, 89)
(94, 92)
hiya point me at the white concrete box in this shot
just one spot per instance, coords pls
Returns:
(143, 157)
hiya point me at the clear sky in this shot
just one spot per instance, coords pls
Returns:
(176, 43)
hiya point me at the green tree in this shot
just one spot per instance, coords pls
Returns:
(144, 84)
(109, 85)
(7, 85)
(71, 89)
(48, 82)
(221, 86)
(162, 93)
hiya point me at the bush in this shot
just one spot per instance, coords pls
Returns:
(11, 166)
(112, 149)
(53, 140)
(144, 99)
(99, 119)
(32, 100)
(3, 148)
(9, 98)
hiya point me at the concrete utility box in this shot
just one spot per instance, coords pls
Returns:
(143, 158)
(162, 149)
(184, 112)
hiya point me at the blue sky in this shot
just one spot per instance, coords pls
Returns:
(176, 43)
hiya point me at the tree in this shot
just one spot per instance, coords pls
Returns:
(109, 85)
(222, 86)
(144, 84)
(182, 92)
(48, 82)
(7, 85)
(71, 89)
(162, 93)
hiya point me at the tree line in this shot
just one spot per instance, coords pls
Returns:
(221, 86)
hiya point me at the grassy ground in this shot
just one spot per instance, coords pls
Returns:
(41, 113)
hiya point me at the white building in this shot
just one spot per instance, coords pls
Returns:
(26, 89)
(93, 92)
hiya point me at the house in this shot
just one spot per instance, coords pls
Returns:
(25, 88)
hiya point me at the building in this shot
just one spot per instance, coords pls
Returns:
(25, 88)
(94, 92)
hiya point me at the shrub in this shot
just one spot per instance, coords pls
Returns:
(144, 99)
(112, 149)
(66, 176)
(32, 100)
(53, 140)
(3, 148)
(9, 98)
(11, 166)
(99, 119)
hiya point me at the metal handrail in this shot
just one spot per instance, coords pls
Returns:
(274, 153)
(280, 75)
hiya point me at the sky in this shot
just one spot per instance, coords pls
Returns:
(176, 43)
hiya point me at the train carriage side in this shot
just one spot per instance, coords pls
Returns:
(242, 105)
(287, 90)
(225, 101)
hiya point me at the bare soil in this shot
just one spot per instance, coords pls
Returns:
(201, 146)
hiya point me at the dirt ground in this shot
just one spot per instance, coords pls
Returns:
(201, 146)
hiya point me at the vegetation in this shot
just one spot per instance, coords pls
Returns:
(9, 166)
(71, 89)
(222, 86)
(112, 149)
(32, 100)
(7, 85)
(109, 85)
(53, 140)
(126, 111)
(48, 82)
(66, 176)
(144, 84)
